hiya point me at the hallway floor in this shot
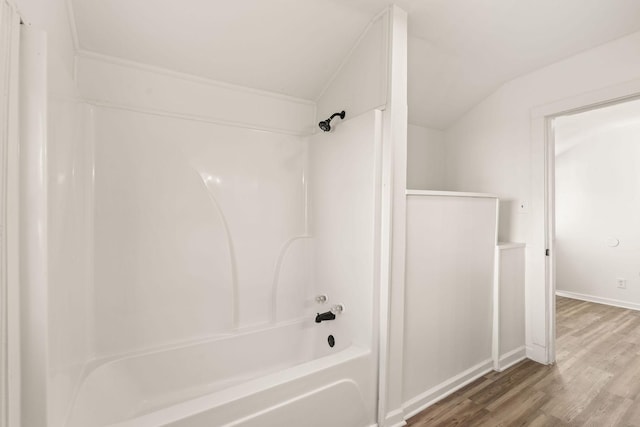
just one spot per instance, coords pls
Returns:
(596, 381)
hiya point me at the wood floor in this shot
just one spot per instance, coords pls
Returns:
(595, 382)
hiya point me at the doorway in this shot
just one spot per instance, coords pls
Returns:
(592, 238)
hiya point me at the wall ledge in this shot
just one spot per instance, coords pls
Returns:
(510, 245)
(449, 194)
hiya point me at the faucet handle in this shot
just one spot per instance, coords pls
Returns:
(337, 309)
(321, 299)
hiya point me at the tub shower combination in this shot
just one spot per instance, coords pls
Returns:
(236, 277)
(223, 380)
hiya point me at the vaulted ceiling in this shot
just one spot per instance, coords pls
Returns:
(460, 51)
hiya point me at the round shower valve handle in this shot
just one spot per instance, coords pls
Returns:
(321, 299)
(337, 309)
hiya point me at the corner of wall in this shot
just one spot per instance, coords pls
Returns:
(360, 83)
(55, 18)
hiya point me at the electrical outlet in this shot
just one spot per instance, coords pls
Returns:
(622, 283)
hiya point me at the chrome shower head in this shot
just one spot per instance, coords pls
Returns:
(325, 125)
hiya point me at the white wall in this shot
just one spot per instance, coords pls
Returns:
(359, 87)
(199, 206)
(490, 150)
(191, 220)
(70, 222)
(374, 76)
(597, 187)
(449, 295)
(509, 334)
(105, 80)
(425, 158)
(344, 196)
(361, 82)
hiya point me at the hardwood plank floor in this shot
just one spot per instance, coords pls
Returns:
(595, 381)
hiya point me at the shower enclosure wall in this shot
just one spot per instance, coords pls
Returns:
(183, 232)
(202, 244)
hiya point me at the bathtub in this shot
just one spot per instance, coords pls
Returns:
(262, 377)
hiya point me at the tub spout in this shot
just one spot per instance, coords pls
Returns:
(321, 317)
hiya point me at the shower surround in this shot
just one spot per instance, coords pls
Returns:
(207, 242)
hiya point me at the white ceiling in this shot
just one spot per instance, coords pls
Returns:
(459, 50)
(575, 129)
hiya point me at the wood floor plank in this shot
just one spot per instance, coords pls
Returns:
(504, 383)
(466, 412)
(577, 394)
(606, 411)
(474, 387)
(540, 419)
(517, 409)
(632, 417)
(627, 384)
(437, 411)
(595, 381)
(524, 387)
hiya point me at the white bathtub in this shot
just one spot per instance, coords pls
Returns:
(266, 377)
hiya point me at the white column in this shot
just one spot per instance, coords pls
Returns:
(9, 224)
(33, 226)
(394, 186)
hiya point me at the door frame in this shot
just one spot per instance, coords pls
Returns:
(541, 287)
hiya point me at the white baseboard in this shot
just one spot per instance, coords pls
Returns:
(599, 300)
(444, 389)
(537, 353)
(395, 418)
(509, 359)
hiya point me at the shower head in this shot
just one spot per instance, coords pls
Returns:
(325, 125)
